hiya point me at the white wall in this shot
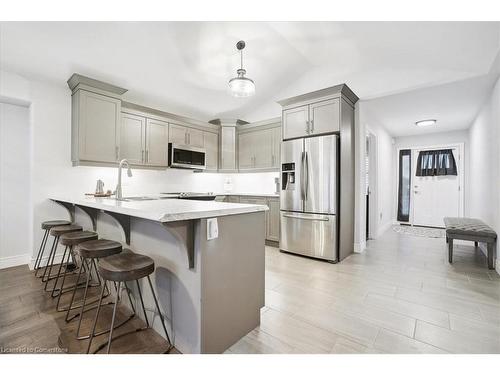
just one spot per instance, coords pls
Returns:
(53, 173)
(384, 169)
(485, 164)
(435, 139)
(366, 122)
(15, 195)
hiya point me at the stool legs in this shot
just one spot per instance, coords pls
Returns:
(158, 308)
(52, 249)
(112, 327)
(41, 250)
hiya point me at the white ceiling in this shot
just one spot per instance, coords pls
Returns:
(183, 67)
(454, 106)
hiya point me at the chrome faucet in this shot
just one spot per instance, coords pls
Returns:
(119, 185)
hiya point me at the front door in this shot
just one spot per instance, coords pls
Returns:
(435, 197)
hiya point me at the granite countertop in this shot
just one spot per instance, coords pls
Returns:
(163, 210)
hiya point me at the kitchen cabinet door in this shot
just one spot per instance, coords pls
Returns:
(194, 137)
(262, 146)
(211, 145)
(98, 126)
(273, 220)
(157, 143)
(276, 147)
(177, 134)
(246, 150)
(325, 116)
(132, 138)
(295, 122)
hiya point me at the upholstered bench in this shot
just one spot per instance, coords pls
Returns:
(463, 228)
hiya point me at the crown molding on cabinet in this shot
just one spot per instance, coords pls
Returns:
(76, 80)
(330, 92)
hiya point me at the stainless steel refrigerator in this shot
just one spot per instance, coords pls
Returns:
(309, 197)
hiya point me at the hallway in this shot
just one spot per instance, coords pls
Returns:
(399, 296)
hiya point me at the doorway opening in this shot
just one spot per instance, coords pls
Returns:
(430, 184)
(371, 186)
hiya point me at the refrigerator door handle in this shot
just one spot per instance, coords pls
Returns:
(307, 176)
(312, 218)
(302, 162)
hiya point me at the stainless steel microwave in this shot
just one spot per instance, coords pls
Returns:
(184, 156)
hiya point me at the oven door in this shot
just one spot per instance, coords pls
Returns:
(186, 157)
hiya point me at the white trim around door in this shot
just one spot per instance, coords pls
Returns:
(460, 172)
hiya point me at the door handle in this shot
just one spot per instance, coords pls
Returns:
(307, 176)
(306, 217)
(303, 167)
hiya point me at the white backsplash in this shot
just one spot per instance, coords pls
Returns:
(145, 182)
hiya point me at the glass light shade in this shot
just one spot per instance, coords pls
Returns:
(241, 86)
(425, 122)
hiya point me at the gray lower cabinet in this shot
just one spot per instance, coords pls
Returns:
(273, 220)
(272, 215)
(95, 127)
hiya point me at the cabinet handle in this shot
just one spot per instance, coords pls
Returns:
(117, 152)
(189, 138)
(147, 156)
(142, 156)
(307, 127)
(312, 126)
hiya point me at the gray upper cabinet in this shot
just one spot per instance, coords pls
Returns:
(132, 138)
(184, 135)
(312, 119)
(324, 117)
(227, 148)
(177, 134)
(195, 137)
(156, 143)
(258, 149)
(95, 127)
(143, 141)
(211, 145)
(296, 122)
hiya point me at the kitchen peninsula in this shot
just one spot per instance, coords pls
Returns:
(210, 290)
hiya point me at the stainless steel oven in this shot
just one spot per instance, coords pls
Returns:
(183, 156)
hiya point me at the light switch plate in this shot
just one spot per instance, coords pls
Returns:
(212, 229)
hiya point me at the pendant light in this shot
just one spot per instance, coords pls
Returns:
(241, 86)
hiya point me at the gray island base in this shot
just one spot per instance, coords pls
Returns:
(210, 291)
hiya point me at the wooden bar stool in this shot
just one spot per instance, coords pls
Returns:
(69, 240)
(46, 226)
(120, 268)
(56, 232)
(91, 252)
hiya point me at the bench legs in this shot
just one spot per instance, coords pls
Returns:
(490, 248)
(450, 249)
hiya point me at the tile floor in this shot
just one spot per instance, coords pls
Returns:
(399, 296)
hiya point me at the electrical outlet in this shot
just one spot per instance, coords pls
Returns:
(212, 229)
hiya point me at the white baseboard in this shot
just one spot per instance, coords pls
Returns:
(383, 228)
(359, 247)
(16, 260)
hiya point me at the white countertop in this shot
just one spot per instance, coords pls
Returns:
(270, 195)
(164, 210)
